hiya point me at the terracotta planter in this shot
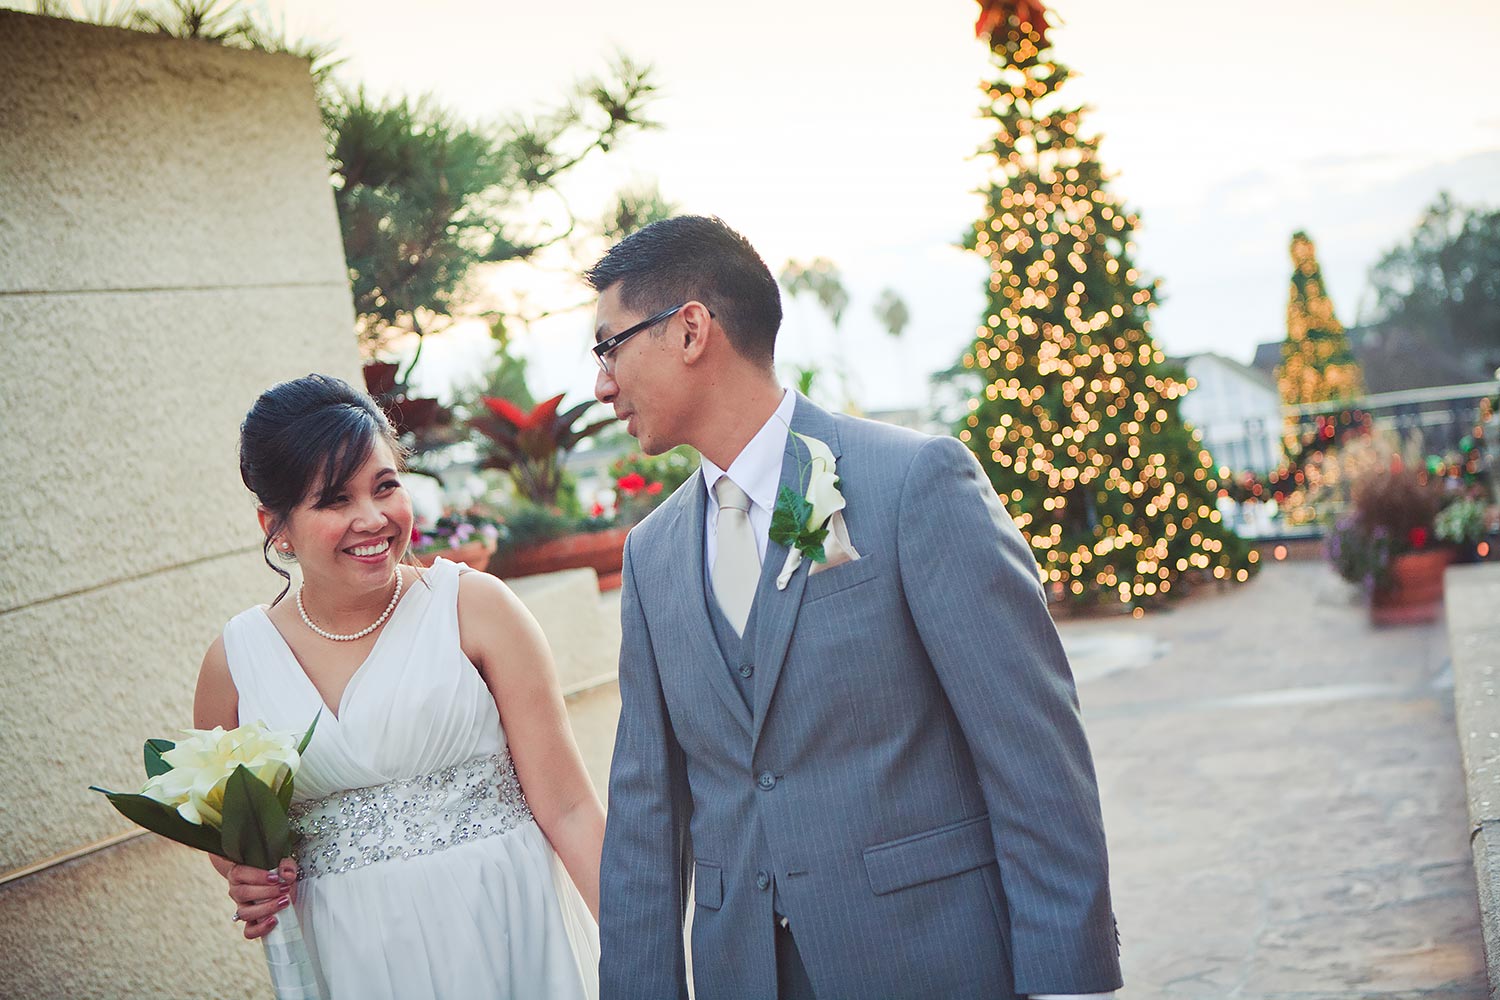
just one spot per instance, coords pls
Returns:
(602, 551)
(475, 554)
(1415, 594)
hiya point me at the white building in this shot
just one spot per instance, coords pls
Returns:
(1238, 411)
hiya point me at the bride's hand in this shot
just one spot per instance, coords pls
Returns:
(259, 895)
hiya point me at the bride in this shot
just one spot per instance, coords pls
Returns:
(442, 785)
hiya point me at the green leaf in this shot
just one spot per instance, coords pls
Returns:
(153, 751)
(307, 736)
(789, 517)
(163, 819)
(255, 827)
(284, 793)
(811, 543)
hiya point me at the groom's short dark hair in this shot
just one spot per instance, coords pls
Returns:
(697, 257)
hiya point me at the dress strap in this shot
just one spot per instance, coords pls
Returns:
(443, 577)
(260, 666)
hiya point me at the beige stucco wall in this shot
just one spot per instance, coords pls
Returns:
(168, 248)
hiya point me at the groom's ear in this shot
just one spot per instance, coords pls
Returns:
(697, 330)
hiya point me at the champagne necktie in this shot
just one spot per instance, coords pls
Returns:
(736, 569)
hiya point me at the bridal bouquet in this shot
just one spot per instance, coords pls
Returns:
(227, 793)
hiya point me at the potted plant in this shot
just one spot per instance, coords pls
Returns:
(531, 445)
(1387, 544)
(543, 536)
(468, 536)
(545, 540)
(1463, 524)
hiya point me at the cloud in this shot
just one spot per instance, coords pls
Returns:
(1224, 262)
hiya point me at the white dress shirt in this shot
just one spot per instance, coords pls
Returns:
(757, 471)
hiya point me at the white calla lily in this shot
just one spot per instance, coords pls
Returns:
(821, 491)
(825, 502)
(203, 762)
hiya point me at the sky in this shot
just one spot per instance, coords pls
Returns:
(849, 131)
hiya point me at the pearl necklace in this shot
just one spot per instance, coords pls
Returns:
(362, 632)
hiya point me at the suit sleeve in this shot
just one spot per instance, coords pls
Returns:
(972, 586)
(647, 848)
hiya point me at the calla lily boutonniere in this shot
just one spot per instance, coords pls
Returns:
(810, 524)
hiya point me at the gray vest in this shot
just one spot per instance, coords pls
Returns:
(736, 651)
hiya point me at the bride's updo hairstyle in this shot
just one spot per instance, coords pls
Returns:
(311, 433)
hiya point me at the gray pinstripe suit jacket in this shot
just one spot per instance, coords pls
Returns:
(913, 772)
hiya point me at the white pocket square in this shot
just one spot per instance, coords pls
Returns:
(836, 547)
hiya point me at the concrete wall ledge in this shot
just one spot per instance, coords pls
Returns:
(1472, 597)
(585, 639)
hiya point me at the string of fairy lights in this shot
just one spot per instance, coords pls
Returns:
(1078, 423)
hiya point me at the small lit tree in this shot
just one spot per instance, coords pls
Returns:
(1317, 364)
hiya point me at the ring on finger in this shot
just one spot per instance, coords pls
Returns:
(236, 918)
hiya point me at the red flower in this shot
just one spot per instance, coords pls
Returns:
(416, 535)
(597, 510)
(1418, 537)
(653, 489)
(631, 484)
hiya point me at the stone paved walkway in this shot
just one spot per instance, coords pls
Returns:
(1283, 797)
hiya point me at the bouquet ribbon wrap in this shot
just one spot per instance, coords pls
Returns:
(291, 968)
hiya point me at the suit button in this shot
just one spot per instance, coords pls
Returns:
(762, 881)
(746, 669)
(767, 781)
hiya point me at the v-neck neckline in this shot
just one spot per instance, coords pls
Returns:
(338, 713)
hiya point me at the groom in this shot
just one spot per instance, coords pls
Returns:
(872, 771)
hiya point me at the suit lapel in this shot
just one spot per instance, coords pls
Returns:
(776, 610)
(687, 600)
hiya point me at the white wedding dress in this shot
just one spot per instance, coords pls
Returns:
(423, 874)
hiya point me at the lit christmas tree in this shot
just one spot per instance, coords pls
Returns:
(1078, 426)
(1317, 365)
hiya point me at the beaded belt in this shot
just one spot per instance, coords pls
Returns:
(404, 819)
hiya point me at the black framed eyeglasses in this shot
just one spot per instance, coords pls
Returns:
(604, 351)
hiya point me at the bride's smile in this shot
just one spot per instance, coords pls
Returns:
(349, 537)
